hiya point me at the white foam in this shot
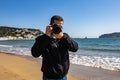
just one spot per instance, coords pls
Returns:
(110, 63)
(15, 50)
(6, 46)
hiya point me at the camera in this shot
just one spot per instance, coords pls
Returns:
(56, 29)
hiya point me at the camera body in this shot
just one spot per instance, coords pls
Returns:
(56, 29)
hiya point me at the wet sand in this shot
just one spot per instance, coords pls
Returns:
(90, 73)
(14, 67)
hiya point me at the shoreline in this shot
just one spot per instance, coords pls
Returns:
(20, 67)
(93, 73)
(93, 57)
(76, 72)
(4, 39)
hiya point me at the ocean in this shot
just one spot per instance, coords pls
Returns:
(94, 52)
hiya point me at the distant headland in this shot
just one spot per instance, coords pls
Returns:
(110, 35)
(12, 33)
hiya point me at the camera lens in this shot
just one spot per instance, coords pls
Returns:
(56, 29)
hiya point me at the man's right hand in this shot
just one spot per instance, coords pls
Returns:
(48, 30)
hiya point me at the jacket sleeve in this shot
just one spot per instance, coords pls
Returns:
(39, 46)
(69, 43)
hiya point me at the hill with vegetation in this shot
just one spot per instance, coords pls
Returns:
(110, 35)
(18, 33)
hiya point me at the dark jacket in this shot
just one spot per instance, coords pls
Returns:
(55, 63)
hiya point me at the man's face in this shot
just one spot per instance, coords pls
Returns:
(60, 23)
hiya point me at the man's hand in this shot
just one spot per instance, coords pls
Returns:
(58, 36)
(48, 30)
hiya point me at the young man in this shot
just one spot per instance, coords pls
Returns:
(54, 46)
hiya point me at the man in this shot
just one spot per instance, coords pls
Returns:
(54, 47)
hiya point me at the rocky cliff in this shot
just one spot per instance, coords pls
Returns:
(11, 33)
(111, 35)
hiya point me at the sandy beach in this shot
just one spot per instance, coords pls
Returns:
(14, 67)
(17, 67)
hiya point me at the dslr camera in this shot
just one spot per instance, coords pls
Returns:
(56, 29)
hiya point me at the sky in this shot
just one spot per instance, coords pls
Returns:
(82, 18)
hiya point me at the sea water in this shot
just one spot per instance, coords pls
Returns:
(95, 52)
